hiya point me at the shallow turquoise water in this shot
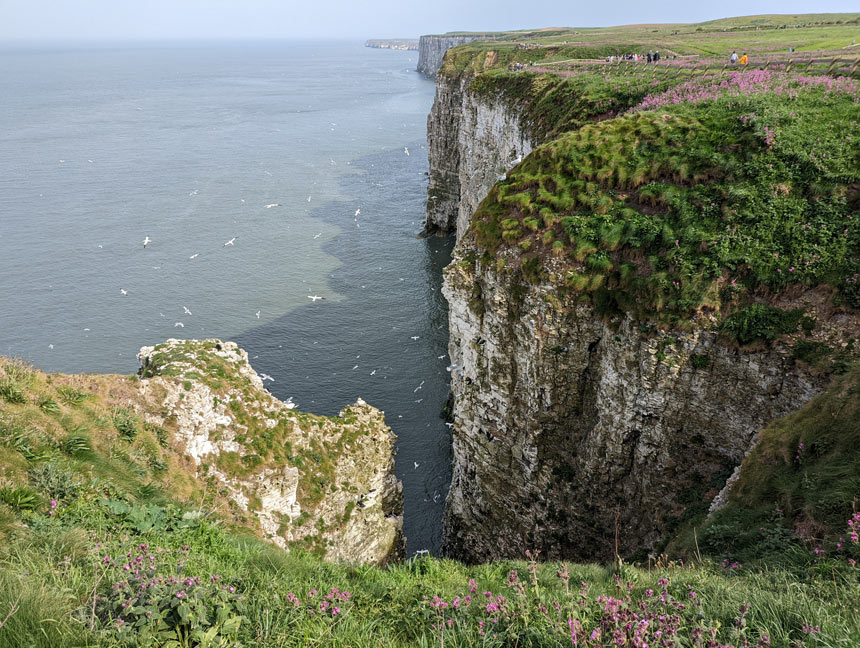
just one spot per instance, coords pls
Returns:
(190, 145)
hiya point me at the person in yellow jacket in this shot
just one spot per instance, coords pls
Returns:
(744, 60)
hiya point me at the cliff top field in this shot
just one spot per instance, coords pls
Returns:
(762, 37)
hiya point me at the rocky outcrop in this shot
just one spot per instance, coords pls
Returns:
(325, 484)
(472, 140)
(574, 431)
(431, 50)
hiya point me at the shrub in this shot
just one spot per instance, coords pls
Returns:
(76, 444)
(147, 600)
(71, 396)
(810, 352)
(760, 322)
(58, 482)
(48, 404)
(20, 371)
(700, 361)
(20, 498)
(12, 393)
(125, 422)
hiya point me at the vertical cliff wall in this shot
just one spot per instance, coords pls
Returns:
(472, 140)
(572, 429)
(431, 51)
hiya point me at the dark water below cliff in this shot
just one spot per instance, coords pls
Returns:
(189, 145)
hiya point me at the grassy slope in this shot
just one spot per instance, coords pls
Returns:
(796, 489)
(84, 438)
(692, 205)
(52, 571)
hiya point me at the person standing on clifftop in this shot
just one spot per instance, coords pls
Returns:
(744, 60)
(733, 59)
(650, 56)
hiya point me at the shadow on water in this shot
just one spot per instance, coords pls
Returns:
(383, 333)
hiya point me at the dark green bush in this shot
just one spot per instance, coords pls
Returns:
(760, 322)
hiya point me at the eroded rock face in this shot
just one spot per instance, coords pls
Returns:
(572, 430)
(472, 140)
(326, 484)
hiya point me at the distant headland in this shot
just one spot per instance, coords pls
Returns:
(393, 43)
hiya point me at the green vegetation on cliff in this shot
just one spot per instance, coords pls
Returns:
(752, 188)
(198, 428)
(795, 490)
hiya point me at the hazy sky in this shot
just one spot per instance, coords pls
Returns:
(195, 19)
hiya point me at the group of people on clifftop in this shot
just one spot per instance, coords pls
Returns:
(650, 57)
(735, 60)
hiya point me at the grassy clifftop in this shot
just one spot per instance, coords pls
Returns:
(762, 37)
(701, 198)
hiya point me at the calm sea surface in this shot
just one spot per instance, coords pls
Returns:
(274, 146)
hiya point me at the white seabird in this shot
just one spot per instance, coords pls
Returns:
(194, 256)
(230, 242)
(273, 205)
(315, 297)
(187, 312)
(406, 150)
(257, 314)
(146, 241)
(123, 291)
(180, 324)
(266, 377)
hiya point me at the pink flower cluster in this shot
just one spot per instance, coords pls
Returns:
(314, 604)
(738, 84)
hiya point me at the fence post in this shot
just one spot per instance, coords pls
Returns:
(831, 66)
(809, 65)
(790, 63)
(853, 67)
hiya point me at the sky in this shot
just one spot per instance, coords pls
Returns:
(112, 20)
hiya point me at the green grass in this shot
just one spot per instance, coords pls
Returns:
(52, 572)
(796, 489)
(53, 557)
(692, 206)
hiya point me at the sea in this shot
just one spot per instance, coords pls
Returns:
(263, 174)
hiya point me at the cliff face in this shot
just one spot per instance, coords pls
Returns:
(572, 430)
(326, 484)
(431, 51)
(472, 140)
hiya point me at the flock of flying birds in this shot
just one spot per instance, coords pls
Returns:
(232, 242)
